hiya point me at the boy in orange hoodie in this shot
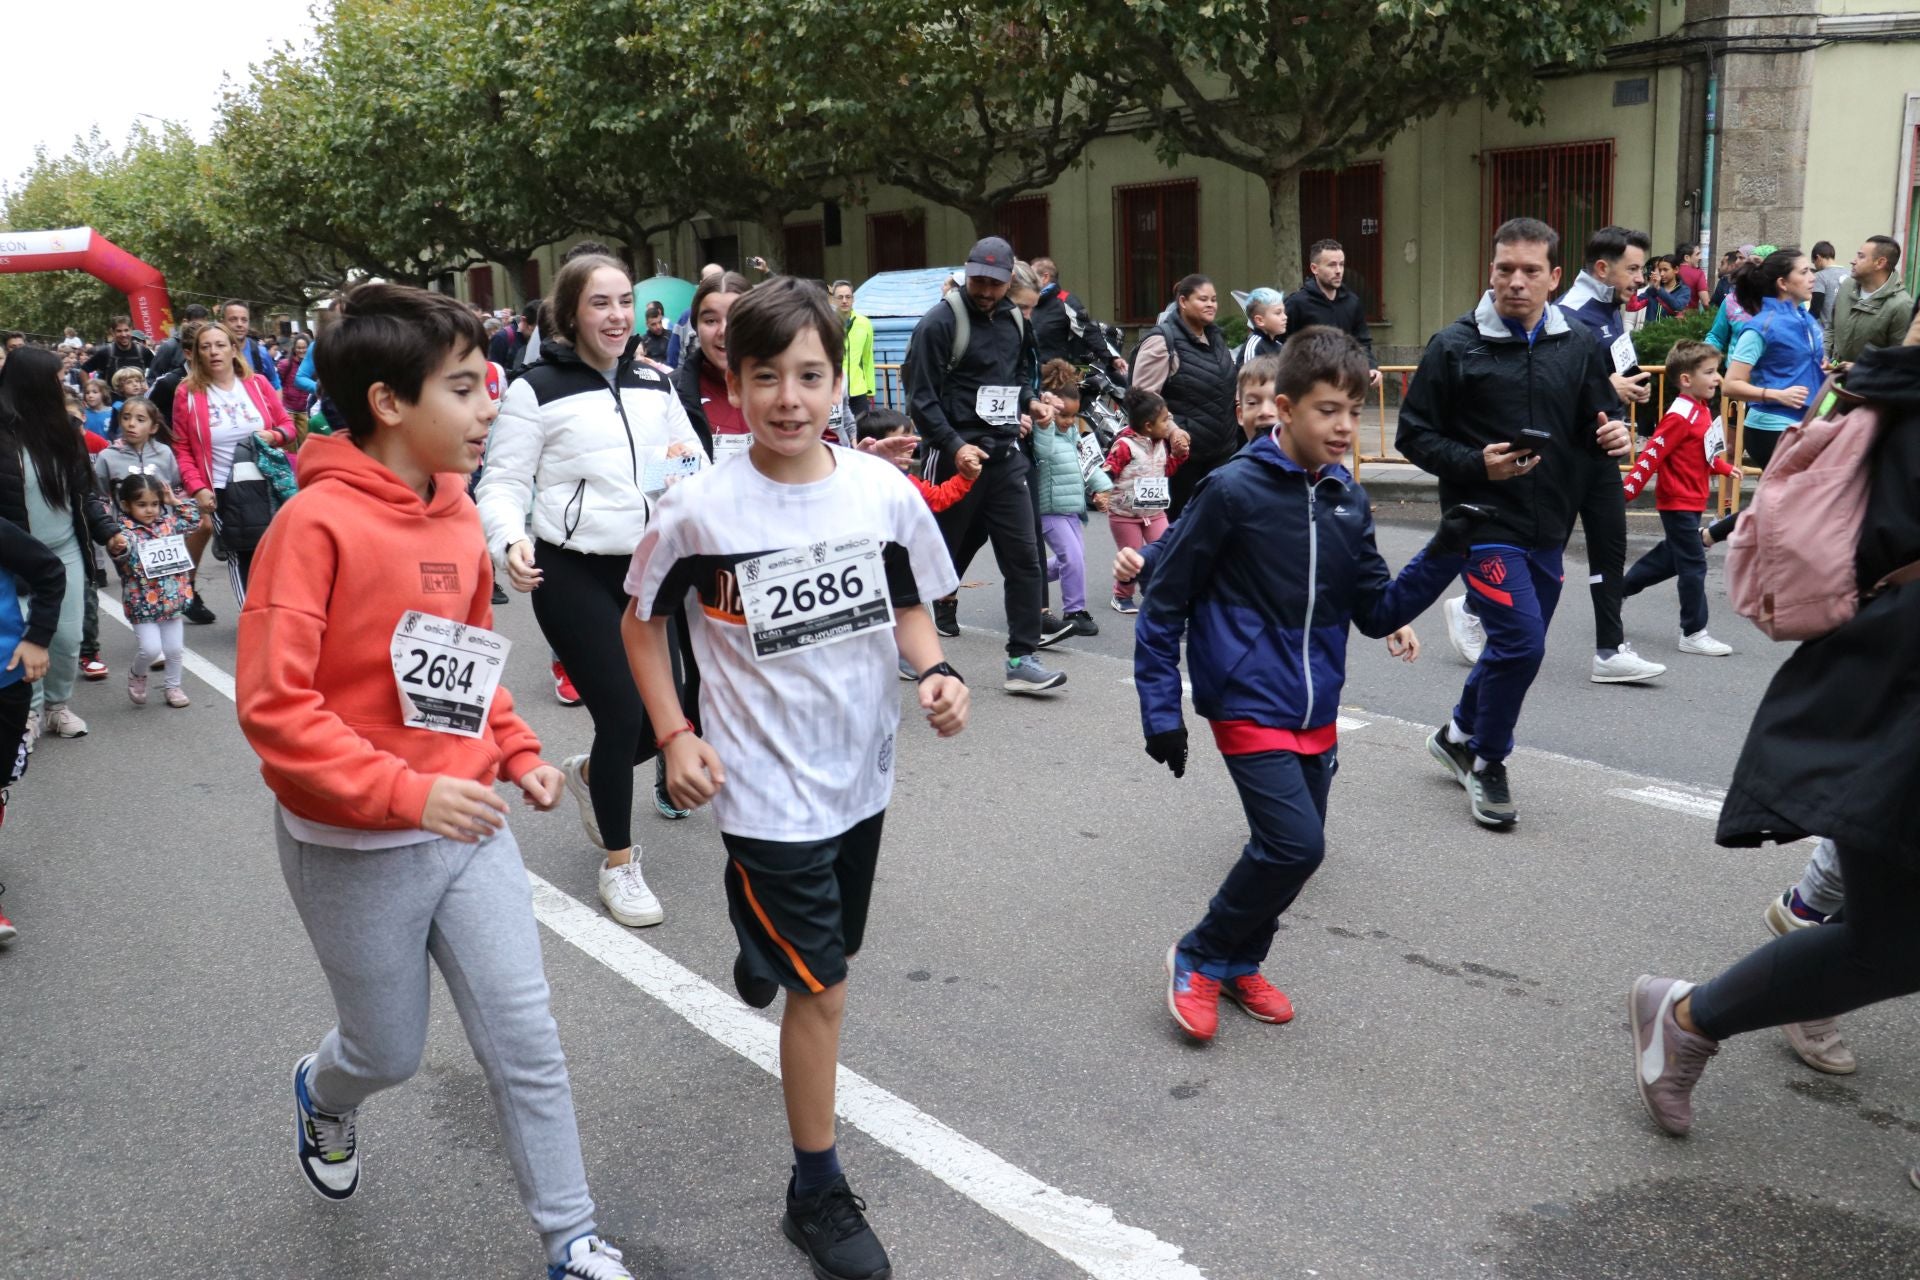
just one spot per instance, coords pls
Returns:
(368, 684)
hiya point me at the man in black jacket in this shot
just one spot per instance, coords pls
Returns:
(169, 356)
(1510, 406)
(1327, 300)
(121, 353)
(976, 403)
(1062, 329)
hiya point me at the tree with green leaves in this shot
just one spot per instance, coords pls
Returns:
(1277, 87)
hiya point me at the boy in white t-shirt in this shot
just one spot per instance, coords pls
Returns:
(802, 567)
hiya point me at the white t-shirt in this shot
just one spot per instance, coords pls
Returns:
(807, 737)
(232, 416)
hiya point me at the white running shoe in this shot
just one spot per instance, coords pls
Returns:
(63, 722)
(575, 769)
(1704, 645)
(1624, 667)
(628, 899)
(1464, 631)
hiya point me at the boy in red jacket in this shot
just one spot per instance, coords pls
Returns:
(368, 684)
(1677, 454)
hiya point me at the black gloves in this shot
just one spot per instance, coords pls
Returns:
(1170, 749)
(1457, 526)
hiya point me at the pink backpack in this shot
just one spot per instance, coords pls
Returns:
(1790, 560)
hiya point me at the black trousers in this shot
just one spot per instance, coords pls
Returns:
(1180, 484)
(579, 606)
(1603, 518)
(1864, 957)
(1000, 509)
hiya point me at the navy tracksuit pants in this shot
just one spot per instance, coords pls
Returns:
(1513, 592)
(1285, 798)
(1681, 556)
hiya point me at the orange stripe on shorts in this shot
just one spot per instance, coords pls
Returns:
(793, 957)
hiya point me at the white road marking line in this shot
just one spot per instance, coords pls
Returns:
(110, 607)
(1698, 806)
(1083, 1232)
(1086, 1234)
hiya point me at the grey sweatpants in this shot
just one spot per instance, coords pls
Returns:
(1820, 884)
(374, 918)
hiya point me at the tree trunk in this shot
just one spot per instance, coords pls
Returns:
(1283, 225)
(516, 272)
(986, 220)
(773, 222)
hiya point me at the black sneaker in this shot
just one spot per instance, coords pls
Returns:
(946, 617)
(1083, 623)
(197, 613)
(1491, 800)
(1053, 630)
(499, 594)
(831, 1226)
(1453, 755)
(757, 992)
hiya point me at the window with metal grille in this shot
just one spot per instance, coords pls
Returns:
(1632, 93)
(806, 250)
(1568, 186)
(480, 286)
(1022, 223)
(1346, 205)
(530, 279)
(896, 241)
(1159, 243)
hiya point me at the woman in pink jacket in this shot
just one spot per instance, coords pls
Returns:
(217, 407)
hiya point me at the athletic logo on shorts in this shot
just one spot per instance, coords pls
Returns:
(1493, 569)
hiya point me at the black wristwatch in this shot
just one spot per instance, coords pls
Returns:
(941, 669)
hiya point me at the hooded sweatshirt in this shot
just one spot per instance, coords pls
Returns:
(342, 562)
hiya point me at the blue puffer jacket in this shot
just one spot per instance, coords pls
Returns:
(1264, 571)
(1056, 456)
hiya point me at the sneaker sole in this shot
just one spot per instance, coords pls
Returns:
(1708, 653)
(325, 1193)
(583, 803)
(1174, 1010)
(1492, 821)
(645, 919)
(1633, 1043)
(1048, 641)
(565, 702)
(1029, 686)
(1227, 994)
(1439, 753)
(666, 809)
(95, 675)
(792, 1233)
(1651, 675)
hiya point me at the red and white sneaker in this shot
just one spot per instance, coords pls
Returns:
(93, 669)
(563, 688)
(1192, 997)
(7, 932)
(1258, 998)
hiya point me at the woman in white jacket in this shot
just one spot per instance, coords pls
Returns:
(573, 444)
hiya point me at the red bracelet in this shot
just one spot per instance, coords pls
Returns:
(661, 745)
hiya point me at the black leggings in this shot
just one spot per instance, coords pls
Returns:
(1866, 956)
(579, 606)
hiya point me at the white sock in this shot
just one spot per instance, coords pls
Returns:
(1455, 734)
(1479, 764)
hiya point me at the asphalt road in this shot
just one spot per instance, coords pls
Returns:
(1453, 1099)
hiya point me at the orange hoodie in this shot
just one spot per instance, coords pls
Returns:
(339, 565)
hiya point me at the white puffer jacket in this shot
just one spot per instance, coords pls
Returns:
(569, 448)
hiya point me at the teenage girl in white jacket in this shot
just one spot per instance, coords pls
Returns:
(572, 444)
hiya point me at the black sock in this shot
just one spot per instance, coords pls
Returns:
(813, 1170)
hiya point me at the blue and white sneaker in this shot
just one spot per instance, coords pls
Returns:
(1027, 675)
(590, 1258)
(325, 1145)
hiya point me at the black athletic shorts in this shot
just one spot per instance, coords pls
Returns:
(800, 908)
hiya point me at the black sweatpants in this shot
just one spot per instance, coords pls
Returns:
(1866, 956)
(579, 605)
(1603, 518)
(1000, 509)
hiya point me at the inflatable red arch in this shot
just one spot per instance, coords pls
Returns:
(84, 249)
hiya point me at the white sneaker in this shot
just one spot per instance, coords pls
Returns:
(62, 722)
(1464, 631)
(1624, 667)
(628, 899)
(575, 769)
(1704, 645)
(33, 730)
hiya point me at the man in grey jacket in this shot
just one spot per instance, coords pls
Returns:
(1873, 308)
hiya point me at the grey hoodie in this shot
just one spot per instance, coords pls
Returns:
(119, 460)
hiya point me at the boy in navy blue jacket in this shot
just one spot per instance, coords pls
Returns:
(1272, 561)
